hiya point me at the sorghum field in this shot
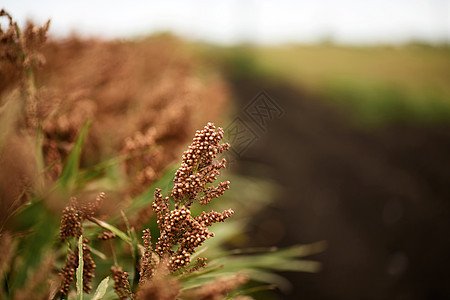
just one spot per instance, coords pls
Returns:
(108, 160)
(158, 168)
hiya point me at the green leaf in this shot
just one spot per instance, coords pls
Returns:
(199, 273)
(101, 289)
(271, 278)
(41, 227)
(98, 171)
(134, 249)
(303, 250)
(80, 269)
(122, 235)
(71, 168)
(98, 253)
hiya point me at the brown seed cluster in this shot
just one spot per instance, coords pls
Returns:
(121, 285)
(19, 56)
(68, 271)
(9, 41)
(88, 266)
(143, 158)
(199, 264)
(70, 221)
(147, 264)
(88, 209)
(199, 168)
(21, 49)
(106, 235)
(179, 228)
(75, 213)
(61, 125)
(213, 217)
(180, 232)
(71, 227)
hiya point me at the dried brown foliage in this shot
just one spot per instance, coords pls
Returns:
(162, 286)
(19, 56)
(18, 171)
(106, 235)
(141, 96)
(20, 51)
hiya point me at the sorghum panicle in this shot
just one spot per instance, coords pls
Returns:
(88, 266)
(68, 271)
(121, 285)
(178, 227)
(76, 213)
(70, 221)
(198, 168)
(106, 235)
(147, 265)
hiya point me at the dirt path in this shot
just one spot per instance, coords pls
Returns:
(380, 198)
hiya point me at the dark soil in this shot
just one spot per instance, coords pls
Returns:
(379, 197)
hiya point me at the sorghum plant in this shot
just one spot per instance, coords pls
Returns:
(52, 125)
(178, 228)
(19, 53)
(180, 233)
(71, 226)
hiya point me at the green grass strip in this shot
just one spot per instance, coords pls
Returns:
(80, 269)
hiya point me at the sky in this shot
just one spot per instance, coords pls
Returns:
(236, 21)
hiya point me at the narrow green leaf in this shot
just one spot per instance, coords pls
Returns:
(270, 278)
(122, 235)
(200, 273)
(101, 289)
(98, 253)
(80, 269)
(41, 227)
(251, 290)
(70, 172)
(303, 250)
(134, 249)
(98, 170)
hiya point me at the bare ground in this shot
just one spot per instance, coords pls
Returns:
(379, 197)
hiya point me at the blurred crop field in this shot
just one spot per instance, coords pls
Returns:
(361, 156)
(341, 192)
(377, 84)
